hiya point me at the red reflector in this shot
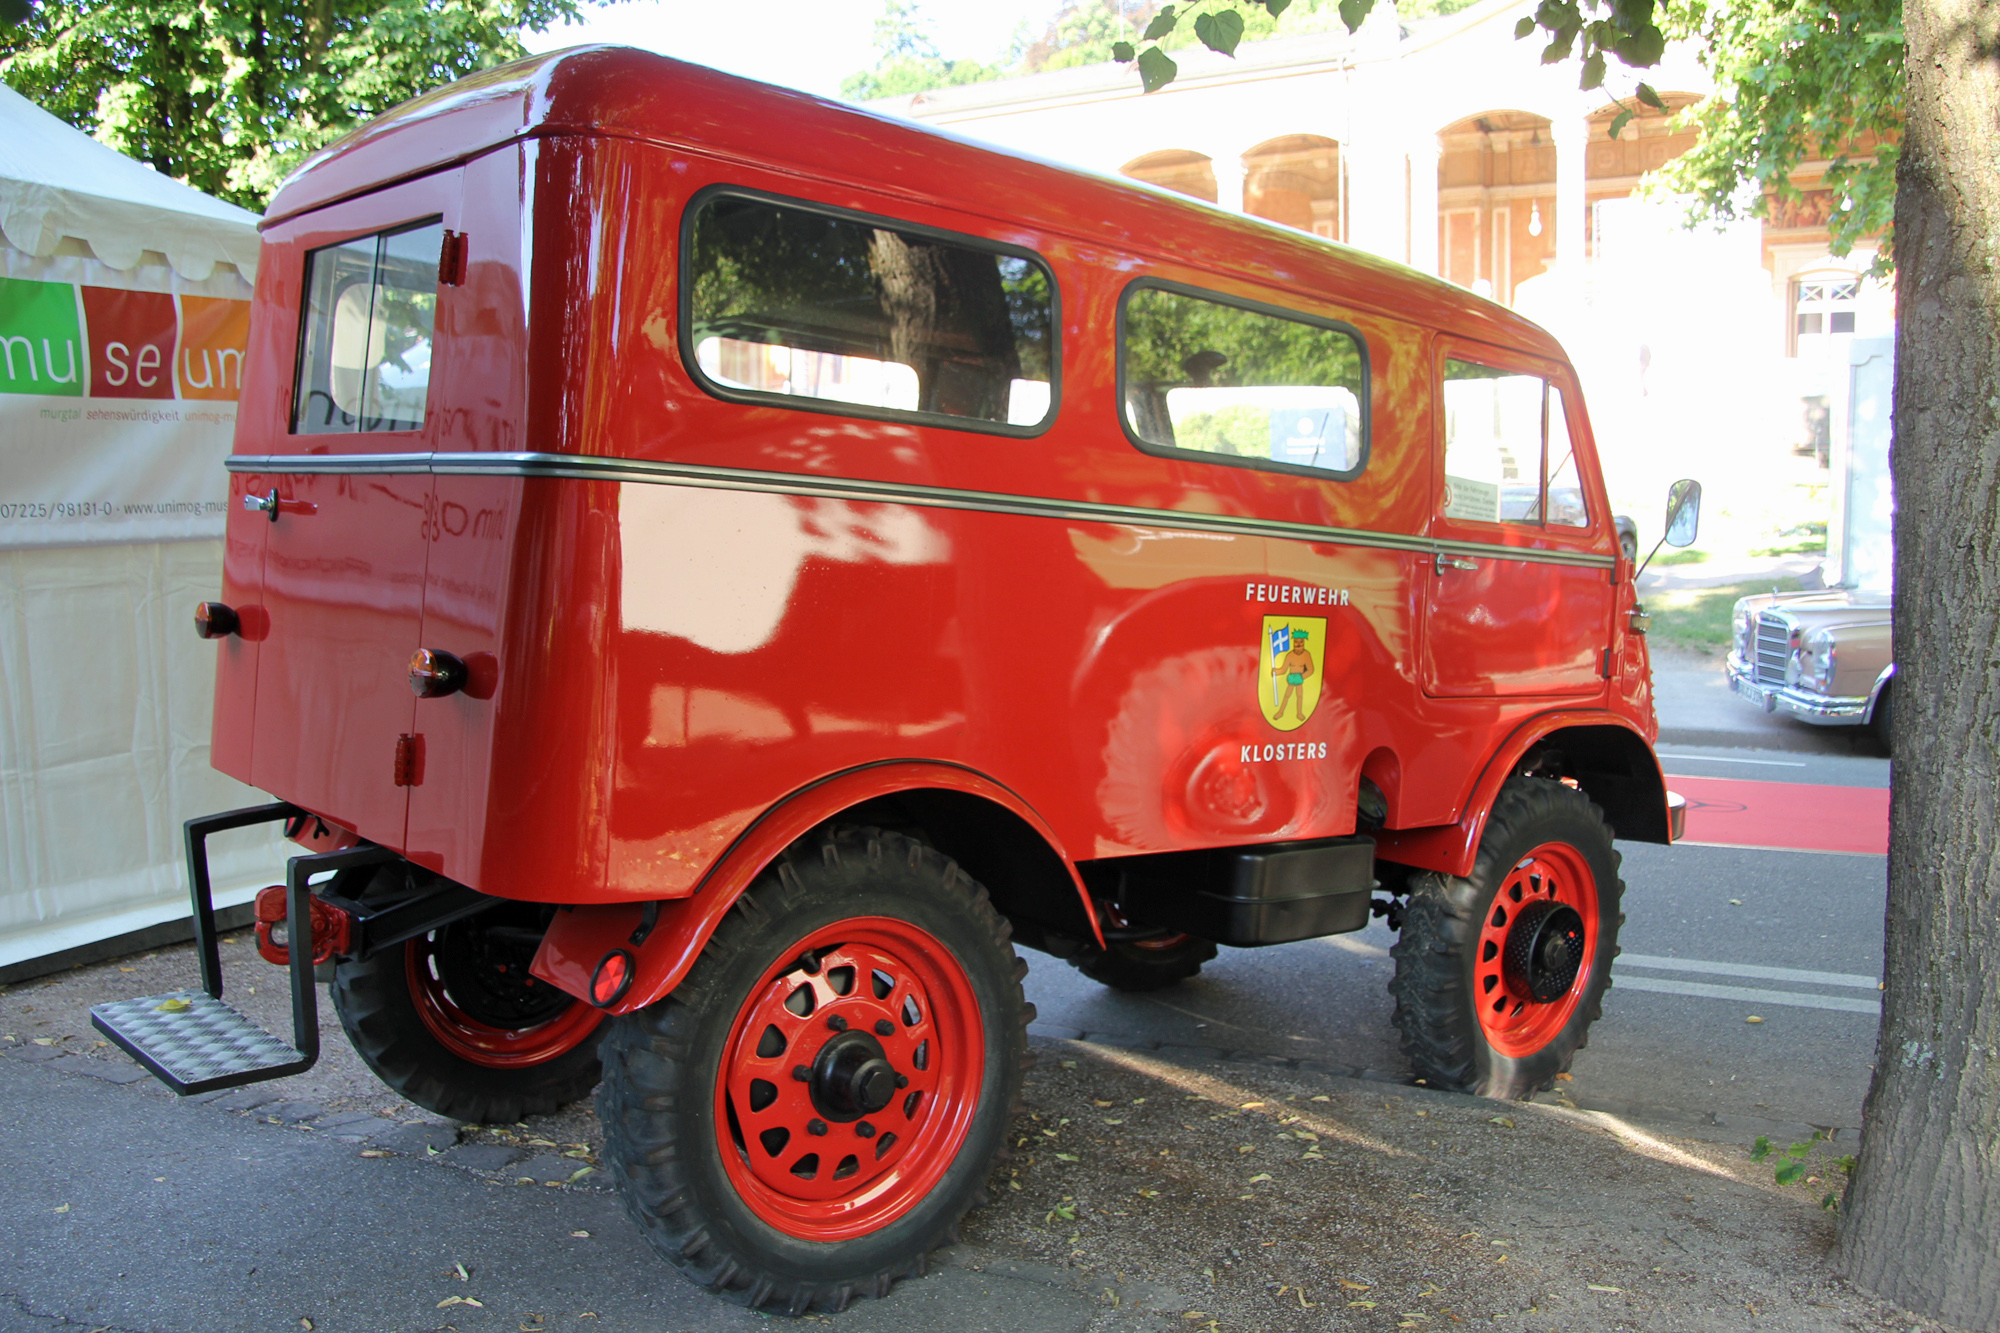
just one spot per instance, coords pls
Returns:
(214, 620)
(409, 761)
(609, 982)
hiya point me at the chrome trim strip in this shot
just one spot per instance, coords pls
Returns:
(589, 468)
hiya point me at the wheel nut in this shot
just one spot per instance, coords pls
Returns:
(884, 1028)
(803, 1073)
(836, 1022)
(865, 1130)
(815, 1127)
(902, 1080)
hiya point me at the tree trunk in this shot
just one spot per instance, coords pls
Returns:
(948, 320)
(1923, 1214)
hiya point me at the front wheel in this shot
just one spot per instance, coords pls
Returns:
(816, 1106)
(1500, 974)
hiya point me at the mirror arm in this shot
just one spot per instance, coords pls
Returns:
(1649, 559)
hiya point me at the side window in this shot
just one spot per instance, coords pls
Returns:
(789, 300)
(1507, 452)
(1229, 381)
(365, 336)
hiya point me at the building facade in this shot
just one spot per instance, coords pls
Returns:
(1445, 143)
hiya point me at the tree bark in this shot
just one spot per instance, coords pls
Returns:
(1922, 1225)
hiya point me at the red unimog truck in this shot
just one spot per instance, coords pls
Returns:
(710, 571)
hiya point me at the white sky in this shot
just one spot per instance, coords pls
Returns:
(808, 44)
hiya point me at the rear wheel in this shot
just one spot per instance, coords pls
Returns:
(816, 1106)
(1500, 974)
(453, 1021)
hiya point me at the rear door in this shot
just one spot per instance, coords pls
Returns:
(349, 503)
(1520, 589)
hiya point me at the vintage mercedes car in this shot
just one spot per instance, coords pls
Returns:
(1824, 657)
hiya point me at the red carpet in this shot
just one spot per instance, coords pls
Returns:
(1785, 814)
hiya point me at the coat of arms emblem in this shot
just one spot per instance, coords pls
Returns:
(1288, 687)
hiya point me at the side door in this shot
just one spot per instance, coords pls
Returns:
(1521, 585)
(351, 325)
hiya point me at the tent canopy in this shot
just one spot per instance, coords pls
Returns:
(57, 181)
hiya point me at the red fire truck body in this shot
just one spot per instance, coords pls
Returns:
(674, 621)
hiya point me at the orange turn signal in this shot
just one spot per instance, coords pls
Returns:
(213, 620)
(434, 674)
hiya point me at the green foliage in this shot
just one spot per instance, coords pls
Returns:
(1701, 619)
(230, 95)
(1795, 82)
(909, 60)
(1796, 1161)
(1093, 32)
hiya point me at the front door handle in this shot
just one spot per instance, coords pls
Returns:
(268, 503)
(1442, 562)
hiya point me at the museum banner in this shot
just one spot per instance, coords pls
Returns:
(117, 408)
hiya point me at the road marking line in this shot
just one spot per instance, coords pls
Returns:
(1717, 759)
(1659, 964)
(1749, 995)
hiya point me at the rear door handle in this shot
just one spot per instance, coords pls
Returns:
(1442, 562)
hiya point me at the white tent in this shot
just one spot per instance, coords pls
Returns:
(124, 312)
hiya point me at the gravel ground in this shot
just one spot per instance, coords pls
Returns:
(1194, 1192)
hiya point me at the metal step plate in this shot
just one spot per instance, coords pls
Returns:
(193, 1042)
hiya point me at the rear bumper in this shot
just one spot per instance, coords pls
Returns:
(1821, 710)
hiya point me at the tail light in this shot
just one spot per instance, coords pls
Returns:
(332, 929)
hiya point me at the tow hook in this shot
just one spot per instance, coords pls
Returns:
(332, 929)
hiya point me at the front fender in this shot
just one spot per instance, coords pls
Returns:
(662, 939)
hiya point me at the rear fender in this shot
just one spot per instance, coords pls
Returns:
(1609, 758)
(662, 939)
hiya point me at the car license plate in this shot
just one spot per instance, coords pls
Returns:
(1755, 693)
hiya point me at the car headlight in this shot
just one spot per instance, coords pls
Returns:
(1813, 661)
(1746, 632)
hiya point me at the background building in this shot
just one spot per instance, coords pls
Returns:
(1446, 143)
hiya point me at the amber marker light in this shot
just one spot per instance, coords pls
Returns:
(434, 674)
(213, 620)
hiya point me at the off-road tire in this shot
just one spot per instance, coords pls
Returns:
(373, 998)
(1434, 985)
(662, 1065)
(1143, 966)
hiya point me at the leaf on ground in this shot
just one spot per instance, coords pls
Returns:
(1361, 1305)
(579, 1175)
(463, 1276)
(1095, 1102)
(580, 1235)
(1353, 1286)
(1753, 1019)
(1615, 1291)
(1261, 1175)
(1066, 1157)
(373, 1152)
(1502, 1121)
(450, 1301)
(1149, 1194)
(171, 1006)
(63, 1209)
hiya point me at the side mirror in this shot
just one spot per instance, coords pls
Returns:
(1683, 512)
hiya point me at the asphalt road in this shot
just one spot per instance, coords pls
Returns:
(124, 1209)
(1714, 935)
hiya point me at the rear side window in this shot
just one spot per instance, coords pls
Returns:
(365, 341)
(1239, 382)
(865, 317)
(1507, 452)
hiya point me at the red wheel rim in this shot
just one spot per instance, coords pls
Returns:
(899, 985)
(480, 1043)
(1514, 1023)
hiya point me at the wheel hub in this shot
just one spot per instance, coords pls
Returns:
(852, 1078)
(1544, 950)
